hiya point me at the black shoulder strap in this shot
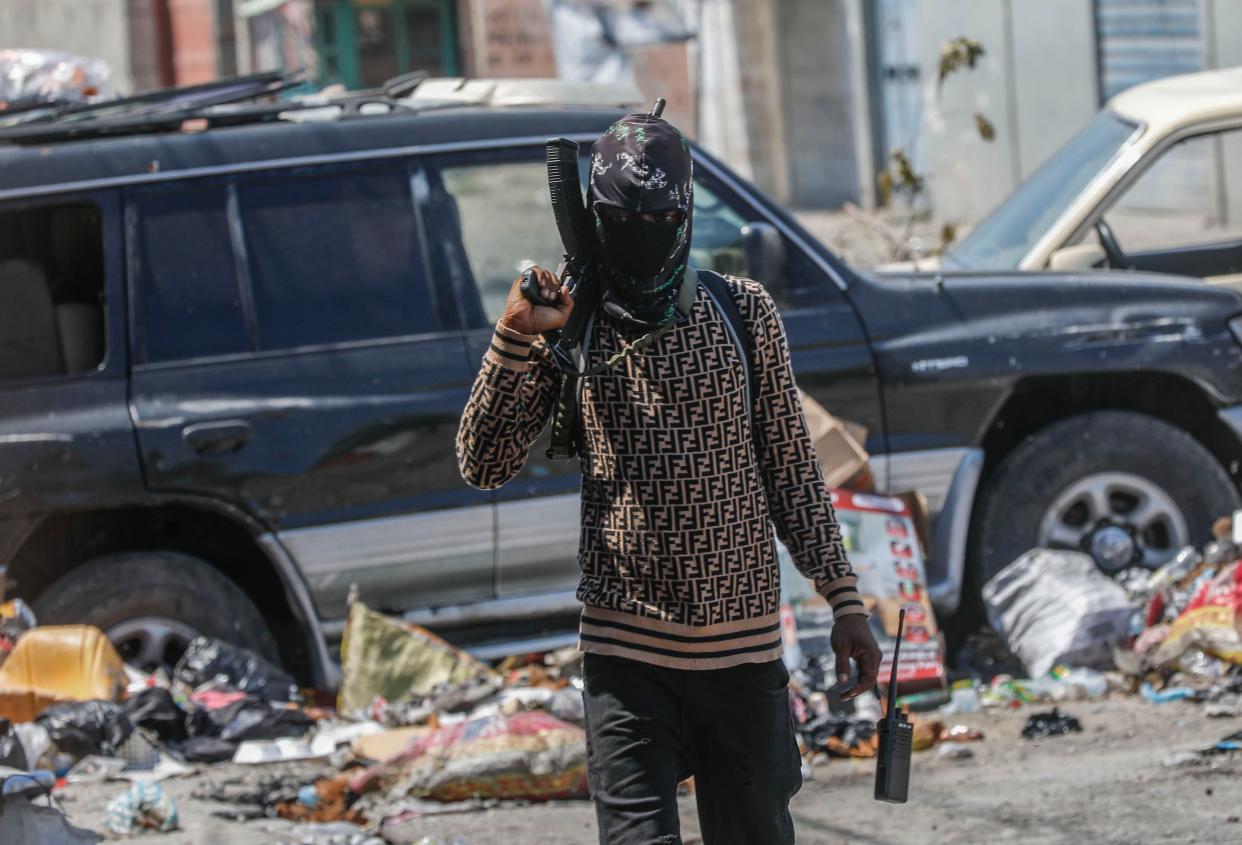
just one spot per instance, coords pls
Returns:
(716, 288)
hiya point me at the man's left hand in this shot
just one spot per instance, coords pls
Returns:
(851, 637)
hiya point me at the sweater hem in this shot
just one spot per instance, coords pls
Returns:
(671, 662)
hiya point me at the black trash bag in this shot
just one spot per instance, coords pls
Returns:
(81, 728)
(251, 718)
(205, 659)
(11, 752)
(1050, 724)
(156, 710)
(850, 729)
(207, 749)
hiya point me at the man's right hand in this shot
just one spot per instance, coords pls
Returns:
(522, 315)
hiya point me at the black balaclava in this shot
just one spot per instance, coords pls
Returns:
(642, 164)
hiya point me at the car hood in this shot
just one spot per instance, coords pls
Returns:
(1001, 323)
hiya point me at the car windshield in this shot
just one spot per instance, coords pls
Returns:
(1009, 232)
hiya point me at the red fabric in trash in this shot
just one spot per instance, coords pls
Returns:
(529, 755)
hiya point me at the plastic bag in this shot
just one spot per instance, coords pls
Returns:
(385, 658)
(39, 76)
(208, 749)
(12, 754)
(1053, 606)
(243, 670)
(255, 719)
(35, 824)
(155, 709)
(82, 728)
(16, 618)
(35, 741)
(1211, 622)
(144, 806)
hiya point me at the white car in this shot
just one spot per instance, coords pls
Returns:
(1153, 183)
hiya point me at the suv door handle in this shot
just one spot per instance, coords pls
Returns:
(217, 438)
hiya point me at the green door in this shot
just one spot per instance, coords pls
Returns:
(364, 43)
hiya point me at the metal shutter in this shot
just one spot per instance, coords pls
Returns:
(1140, 40)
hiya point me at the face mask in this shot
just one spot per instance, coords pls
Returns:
(638, 247)
(640, 193)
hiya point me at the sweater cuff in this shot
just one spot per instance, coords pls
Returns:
(510, 349)
(842, 594)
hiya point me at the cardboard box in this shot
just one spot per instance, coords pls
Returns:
(883, 544)
(839, 446)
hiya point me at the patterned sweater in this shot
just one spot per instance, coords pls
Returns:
(679, 500)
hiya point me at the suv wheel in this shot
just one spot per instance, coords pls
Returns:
(151, 604)
(1125, 488)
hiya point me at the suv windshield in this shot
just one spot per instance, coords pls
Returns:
(1009, 232)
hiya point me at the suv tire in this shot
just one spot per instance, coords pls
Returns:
(136, 597)
(1019, 497)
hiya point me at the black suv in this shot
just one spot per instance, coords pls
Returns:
(233, 362)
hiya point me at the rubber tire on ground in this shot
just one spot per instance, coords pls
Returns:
(1007, 514)
(110, 589)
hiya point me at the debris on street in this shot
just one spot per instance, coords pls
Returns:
(1054, 606)
(1054, 723)
(424, 730)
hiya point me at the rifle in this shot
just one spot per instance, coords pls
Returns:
(577, 232)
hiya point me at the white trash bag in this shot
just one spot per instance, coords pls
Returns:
(1053, 606)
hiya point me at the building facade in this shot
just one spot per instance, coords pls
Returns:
(809, 98)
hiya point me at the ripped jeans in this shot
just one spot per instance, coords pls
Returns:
(649, 728)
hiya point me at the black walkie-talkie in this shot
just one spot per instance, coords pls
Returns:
(892, 768)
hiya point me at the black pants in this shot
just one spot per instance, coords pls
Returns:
(649, 728)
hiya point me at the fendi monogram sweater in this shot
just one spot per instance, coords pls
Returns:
(679, 495)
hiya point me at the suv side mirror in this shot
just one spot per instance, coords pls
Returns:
(765, 253)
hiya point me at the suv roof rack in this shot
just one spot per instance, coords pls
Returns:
(527, 92)
(163, 109)
(257, 99)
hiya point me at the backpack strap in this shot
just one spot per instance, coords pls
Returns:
(718, 291)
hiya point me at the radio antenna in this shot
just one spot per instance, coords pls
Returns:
(892, 681)
(658, 108)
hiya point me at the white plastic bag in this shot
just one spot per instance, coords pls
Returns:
(1054, 606)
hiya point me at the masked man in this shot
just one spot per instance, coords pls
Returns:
(685, 471)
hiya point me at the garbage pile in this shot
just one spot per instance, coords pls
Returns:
(1060, 631)
(1188, 626)
(420, 727)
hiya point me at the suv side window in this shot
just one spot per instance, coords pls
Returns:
(494, 206)
(52, 289)
(1186, 198)
(333, 256)
(188, 298)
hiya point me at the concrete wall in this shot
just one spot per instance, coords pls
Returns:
(1036, 84)
(1054, 75)
(758, 74)
(509, 38)
(88, 27)
(1223, 24)
(817, 96)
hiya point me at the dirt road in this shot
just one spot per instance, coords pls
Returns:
(1105, 785)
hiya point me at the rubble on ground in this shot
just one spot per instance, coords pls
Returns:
(423, 728)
